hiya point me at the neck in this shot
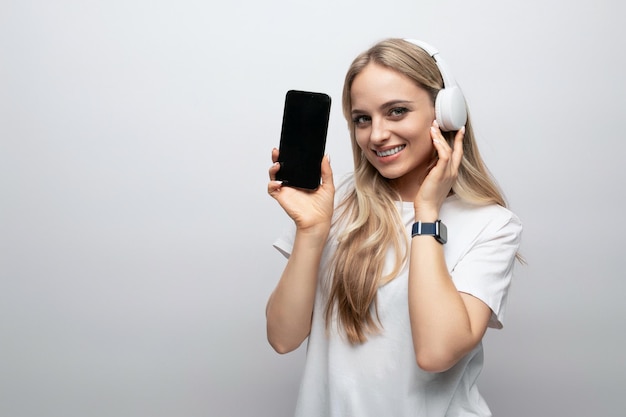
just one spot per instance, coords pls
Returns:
(408, 185)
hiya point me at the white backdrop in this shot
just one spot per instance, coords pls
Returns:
(135, 228)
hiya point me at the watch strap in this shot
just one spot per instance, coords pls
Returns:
(437, 229)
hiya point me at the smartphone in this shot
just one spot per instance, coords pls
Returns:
(303, 138)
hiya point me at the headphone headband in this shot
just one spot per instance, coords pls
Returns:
(450, 104)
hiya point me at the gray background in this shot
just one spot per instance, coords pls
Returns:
(135, 228)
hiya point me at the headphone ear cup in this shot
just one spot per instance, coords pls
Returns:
(450, 109)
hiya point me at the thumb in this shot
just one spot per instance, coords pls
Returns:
(327, 171)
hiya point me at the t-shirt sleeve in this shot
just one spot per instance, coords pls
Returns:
(284, 243)
(486, 270)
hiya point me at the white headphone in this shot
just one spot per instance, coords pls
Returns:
(450, 107)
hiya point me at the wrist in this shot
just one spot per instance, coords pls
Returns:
(320, 231)
(425, 214)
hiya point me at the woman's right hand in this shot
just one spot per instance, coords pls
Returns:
(310, 210)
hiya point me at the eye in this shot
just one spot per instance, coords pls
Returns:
(398, 111)
(360, 120)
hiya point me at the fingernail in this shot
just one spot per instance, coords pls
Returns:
(463, 130)
(436, 124)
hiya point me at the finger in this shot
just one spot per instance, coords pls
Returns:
(275, 166)
(443, 151)
(327, 172)
(273, 187)
(437, 136)
(273, 170)
(457, 152)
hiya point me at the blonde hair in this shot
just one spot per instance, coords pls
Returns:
(369, 212)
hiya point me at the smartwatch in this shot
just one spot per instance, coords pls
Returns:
(437, 230)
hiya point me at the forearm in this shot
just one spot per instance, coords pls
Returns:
(440, 322)
(290, 307)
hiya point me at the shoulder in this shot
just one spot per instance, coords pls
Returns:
(471, 226)
(483, 241)
(478, 217)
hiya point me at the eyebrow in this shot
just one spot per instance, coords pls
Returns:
(385, 105)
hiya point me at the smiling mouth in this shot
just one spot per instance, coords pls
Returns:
(391, 151)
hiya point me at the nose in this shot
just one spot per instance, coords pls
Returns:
(379, 133)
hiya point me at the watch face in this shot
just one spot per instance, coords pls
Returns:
(443, 232)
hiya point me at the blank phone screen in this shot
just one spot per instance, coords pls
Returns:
(303, 138)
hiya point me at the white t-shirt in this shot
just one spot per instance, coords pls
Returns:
(381, 377)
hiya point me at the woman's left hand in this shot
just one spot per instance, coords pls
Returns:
(439, 181)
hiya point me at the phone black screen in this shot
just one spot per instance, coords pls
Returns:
(303, 138)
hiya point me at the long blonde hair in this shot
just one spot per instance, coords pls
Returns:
(369, 212)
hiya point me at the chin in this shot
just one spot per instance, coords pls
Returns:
(389, 175)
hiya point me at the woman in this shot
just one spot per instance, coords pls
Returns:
(394, 309)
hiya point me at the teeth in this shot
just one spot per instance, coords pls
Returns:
(390, 151)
